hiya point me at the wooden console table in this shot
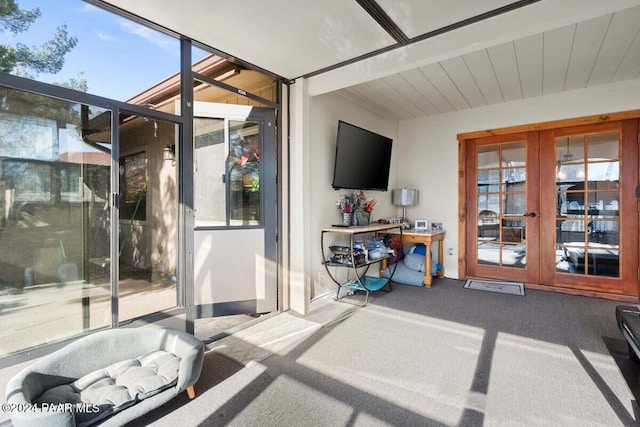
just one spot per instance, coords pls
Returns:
(426, 237)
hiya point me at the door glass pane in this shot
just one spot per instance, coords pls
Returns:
(488, 156)
(570, 232)
(603, 261)
(148, 225)
(588, 192)
(489, 181)
(514, 256)
(513, 204)
(488, 253)
(55, 169)
(514, 154)
(244, 173)
(210, 196)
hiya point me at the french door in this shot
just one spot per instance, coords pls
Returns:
(589, 234)
(503, 215)
(556, 208)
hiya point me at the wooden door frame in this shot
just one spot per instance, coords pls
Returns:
(463, 139)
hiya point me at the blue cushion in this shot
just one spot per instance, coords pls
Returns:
(404, 275)
(418, 248)
(415, 261)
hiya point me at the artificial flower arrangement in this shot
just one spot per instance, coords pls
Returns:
(363, 204)
(346, 203)
(351, 203)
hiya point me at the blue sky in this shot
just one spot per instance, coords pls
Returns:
(119, 57)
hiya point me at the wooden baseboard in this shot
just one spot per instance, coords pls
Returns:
(580, 292)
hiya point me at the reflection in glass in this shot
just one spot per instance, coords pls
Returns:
(148, 226)
(513, 204)
(603, 171)
(570, 232)
(514, 154)
(55, 168)
(488, 156)
(587, 208)
(570, 149)
(513, 256)
(603, 146)
(502, 204)
(488, 253)
(244, 174)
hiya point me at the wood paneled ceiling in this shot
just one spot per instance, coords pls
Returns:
(414, 58)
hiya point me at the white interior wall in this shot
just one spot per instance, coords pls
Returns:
(428, 148)
(325, 111)
(425, 156)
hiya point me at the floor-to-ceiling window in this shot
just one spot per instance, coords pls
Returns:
(92, 233)
(75, 231)
(54, 219)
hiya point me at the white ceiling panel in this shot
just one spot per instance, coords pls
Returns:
(586, 47)
(353, 95)
(406, 89)
(529, 58)
(366, 91)
(458, 72)
(393, 99)
(620, 35)
(480, 66)
(424, 86)
(630, 65)
(441, 81)
(557, 51)
(416, 17)
(503, 59)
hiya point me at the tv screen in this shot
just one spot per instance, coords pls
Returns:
(362, 159)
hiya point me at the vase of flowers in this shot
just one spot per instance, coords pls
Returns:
(355, 208)
(364, 207)
(346, 206)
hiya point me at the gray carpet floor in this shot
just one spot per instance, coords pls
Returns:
(445, 356)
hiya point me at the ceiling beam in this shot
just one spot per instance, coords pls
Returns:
(385, 21)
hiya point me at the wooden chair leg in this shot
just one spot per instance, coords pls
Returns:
(191, 392)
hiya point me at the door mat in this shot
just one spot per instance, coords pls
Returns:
(511, 288)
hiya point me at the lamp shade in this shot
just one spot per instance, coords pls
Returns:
(405, 197)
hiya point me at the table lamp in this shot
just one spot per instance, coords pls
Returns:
(405, 197)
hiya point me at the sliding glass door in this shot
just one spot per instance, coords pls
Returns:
(55, 219)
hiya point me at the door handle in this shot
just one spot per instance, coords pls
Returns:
(531, 214)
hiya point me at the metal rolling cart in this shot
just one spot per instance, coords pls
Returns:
(356, 260)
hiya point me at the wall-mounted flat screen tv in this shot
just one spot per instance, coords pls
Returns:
(363, 159)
